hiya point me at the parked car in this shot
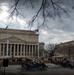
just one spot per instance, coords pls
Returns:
(34, 65)
(67, 63)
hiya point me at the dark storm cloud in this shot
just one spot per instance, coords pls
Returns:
(59, 30)
(66, 23)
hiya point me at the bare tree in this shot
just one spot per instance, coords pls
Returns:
(47, 9)
(70, 48)
(51, 48)
(66, 49)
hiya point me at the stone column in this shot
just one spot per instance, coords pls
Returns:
(21, 50)
(0, 49)
(17, 49)
(32, 50)
(38, 50)
(7, 47)
(14, 50)
(3, 49)
(10, 49)
(29, 50)
(24, 51)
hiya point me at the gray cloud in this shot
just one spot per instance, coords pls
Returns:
(59, 30)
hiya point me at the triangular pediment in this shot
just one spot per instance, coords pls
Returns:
(13, 39)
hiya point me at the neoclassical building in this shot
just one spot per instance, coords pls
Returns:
(18, 43)
(41, 49)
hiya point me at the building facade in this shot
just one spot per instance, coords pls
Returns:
(18, 43)
(66, 49)
(41, 49)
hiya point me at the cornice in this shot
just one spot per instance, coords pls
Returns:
(17, 32)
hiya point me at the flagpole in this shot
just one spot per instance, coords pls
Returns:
(38, 44)
(37, 32)
(7, 41)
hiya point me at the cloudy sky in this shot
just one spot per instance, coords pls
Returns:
(59, 29)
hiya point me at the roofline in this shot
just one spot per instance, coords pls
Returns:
(67, 42)
(22, 31)
(16, 29)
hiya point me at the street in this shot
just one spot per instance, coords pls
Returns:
(52, 70)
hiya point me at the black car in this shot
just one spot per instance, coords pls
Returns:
(34, 65)
(68, 63)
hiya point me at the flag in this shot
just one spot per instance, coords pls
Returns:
(36, 31)
(6, 27)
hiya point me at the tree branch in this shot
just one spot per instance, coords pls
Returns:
(45, 9)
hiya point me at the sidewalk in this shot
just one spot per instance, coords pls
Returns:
(17, 68)
(12, 68)
(52, 70)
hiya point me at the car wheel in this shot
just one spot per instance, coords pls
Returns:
(25, 67)
(40, 67)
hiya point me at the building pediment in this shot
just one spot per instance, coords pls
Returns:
(12, 39)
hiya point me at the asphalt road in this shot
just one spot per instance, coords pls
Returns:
(52, 70)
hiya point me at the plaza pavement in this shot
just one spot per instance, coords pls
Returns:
(52, 70)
